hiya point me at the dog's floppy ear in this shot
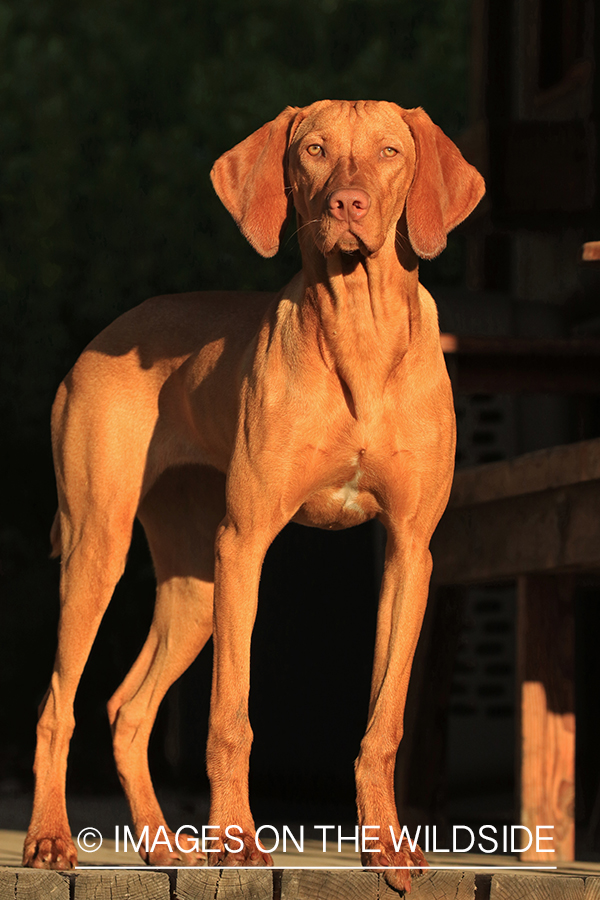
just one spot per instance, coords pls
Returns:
(250, 182)
(444, 190)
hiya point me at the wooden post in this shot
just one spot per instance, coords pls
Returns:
(545, 679)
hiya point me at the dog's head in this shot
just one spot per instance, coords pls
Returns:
(350, 169)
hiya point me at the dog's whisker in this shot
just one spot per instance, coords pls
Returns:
(305, 225)
(297, 230)
(402, 241)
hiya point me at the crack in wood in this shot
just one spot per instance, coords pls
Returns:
(460, 881)
(219, 877)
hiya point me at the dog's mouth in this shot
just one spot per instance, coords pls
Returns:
(348, 243)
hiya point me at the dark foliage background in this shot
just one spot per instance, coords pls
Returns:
(111, 114)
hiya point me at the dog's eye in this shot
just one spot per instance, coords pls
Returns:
(314, 150)
(388, 152)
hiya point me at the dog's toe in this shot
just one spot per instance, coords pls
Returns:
(249, 855)
(398, 867)
(184, 851)
(50, 853)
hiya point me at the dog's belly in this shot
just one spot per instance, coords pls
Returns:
(338, 507)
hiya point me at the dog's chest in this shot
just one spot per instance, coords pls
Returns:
(340, 504)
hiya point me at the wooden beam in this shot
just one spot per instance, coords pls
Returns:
(523, 365)
(537, 514)
(546, 750)
(120, 885)
(542, 886)
(554, 531)
(225, 884)
(332, 885)
(27, 884)
(531, 473)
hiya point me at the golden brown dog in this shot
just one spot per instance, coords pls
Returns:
(216, 418)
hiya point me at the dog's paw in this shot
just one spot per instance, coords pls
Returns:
(248, 855)
(50, 853)
(398, 867)
(181, 851)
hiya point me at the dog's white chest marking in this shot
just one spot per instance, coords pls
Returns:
(347, 495)
(336, 507)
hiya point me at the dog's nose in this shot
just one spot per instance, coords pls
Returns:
(348, 204)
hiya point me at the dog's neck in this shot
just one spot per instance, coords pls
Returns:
(366, 312)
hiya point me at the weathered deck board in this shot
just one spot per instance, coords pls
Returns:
(292, 884)
(28, 884)
(527, 886)
(328, 885)
(592, 889)
(436, 884)
(224, 884)
(122, 886)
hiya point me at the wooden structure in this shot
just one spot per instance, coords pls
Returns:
(291, 884)
(535, 519)
(221, 884)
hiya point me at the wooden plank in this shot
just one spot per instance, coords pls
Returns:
(554, 530)
(127, 885)
(503, 347)
(224, 884)
(33, 884)
(331, 885)
(437, 885)
(523, 365)
(545, 679)
(527, 474)
(527, 886)
(592, 889)
(320, 884)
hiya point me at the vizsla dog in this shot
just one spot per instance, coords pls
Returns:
(216, 418)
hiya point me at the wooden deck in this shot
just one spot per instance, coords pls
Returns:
(464, 877)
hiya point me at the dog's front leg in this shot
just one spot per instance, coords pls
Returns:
(239, 555)
(401, 609)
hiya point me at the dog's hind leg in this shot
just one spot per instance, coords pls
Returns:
(180, 516)
(94, 552)
(100, 459)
